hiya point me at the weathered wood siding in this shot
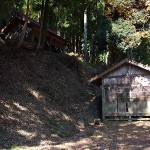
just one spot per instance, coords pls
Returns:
(126, 90)
(13, 31)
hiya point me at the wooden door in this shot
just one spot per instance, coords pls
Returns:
(123, 98)
(117, 92)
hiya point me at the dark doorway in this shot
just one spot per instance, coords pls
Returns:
(98, 103)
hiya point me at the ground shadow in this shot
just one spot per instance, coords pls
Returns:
(39, 100)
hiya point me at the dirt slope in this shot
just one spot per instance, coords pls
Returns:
(40, 98)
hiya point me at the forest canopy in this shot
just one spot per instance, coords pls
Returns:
(115, 29)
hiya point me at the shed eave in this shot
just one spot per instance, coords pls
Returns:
(125, 61)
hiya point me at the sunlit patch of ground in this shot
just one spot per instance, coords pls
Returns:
(108, 136)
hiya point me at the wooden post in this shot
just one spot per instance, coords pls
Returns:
(103, 100)
(97, 121)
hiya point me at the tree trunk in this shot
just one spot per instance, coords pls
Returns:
(77, 43)
(70, 44)
(73, 43)
(25, 26)
(93, 55)
(43, 25)
(71, 39)
(85, 36)
(80, 45)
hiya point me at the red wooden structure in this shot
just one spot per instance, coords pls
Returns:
(14, 27)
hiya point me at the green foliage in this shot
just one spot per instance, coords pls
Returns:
(102, 34)
(120, 29)
(112, 25)
(123, 35)
(15, 147)
(139, 17)
(101, 39)
(88, 93)
(115, 37)
(142, 53)
(9, 8)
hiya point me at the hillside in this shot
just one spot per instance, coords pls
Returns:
(41, 98)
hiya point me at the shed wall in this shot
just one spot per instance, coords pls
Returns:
(126, 69)
(126, 90)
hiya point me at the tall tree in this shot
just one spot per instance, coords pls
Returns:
(126, 22)
(85, 36)
(43, 23)
(25, 25)
(142, 52)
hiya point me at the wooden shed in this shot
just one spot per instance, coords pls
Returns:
(125, 90)
(13, 29)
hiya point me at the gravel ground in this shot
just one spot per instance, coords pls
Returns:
(111, 135)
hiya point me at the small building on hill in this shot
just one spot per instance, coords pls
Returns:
(13, 31)
(125, 89)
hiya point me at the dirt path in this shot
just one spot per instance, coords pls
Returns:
(107, 136)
